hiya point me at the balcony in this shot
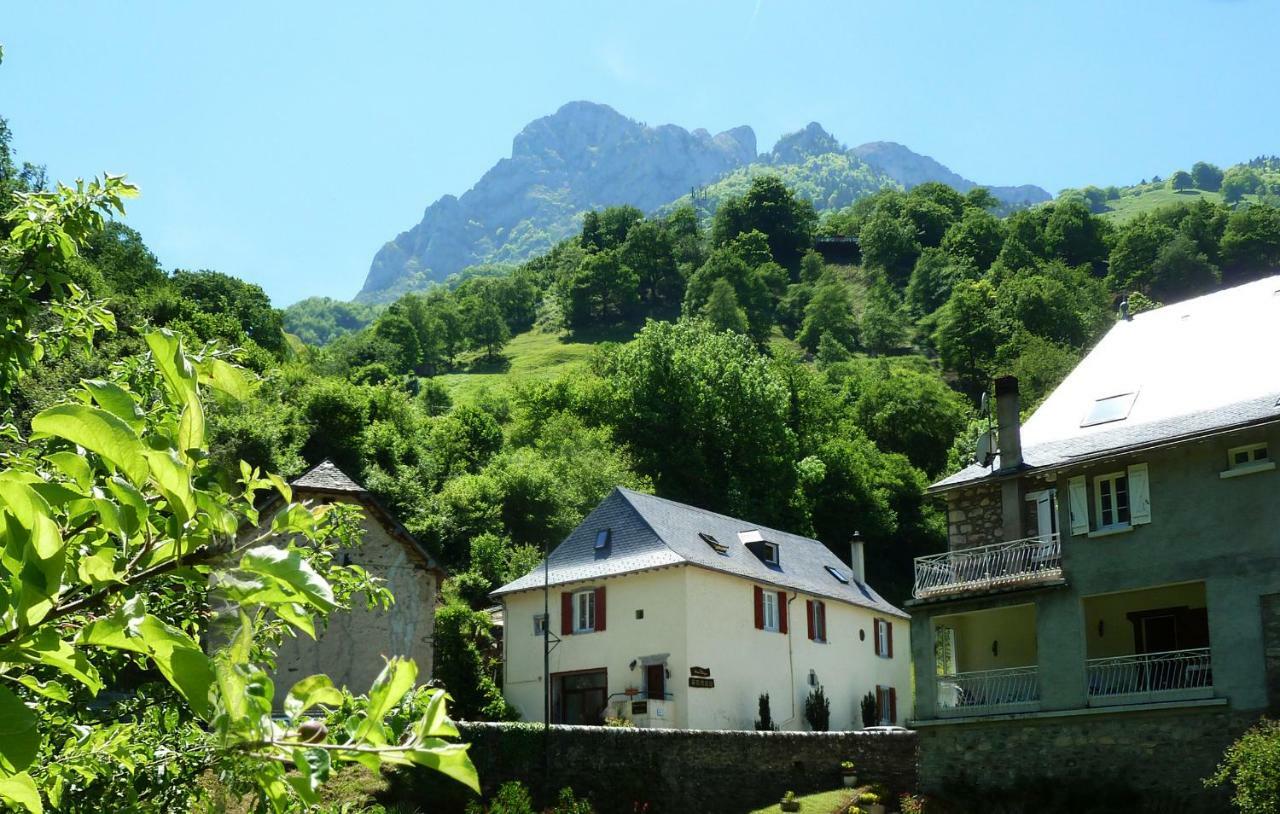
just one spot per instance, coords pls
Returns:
(1143, 678)
(1029, 561)
(986, 692)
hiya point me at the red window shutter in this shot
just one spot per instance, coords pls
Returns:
(566, 614)
(808, 612)
(888, 635)
(782, 611)
(893, 705)
(600, 608)
(759, 608)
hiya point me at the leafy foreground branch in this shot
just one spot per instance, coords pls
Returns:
(122, 544)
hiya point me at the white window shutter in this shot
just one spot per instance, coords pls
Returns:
(1139, 495)
(1079, 505)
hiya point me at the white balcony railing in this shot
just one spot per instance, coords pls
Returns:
(1030, 560)
(981, 692)
(1173, 674)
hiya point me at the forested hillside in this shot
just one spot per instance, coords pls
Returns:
(723, 364)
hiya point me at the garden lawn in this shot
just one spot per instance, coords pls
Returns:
(825, 802)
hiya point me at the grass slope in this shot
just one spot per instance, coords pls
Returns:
(529, 357)
(826, 802)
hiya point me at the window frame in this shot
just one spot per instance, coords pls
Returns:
(818, 612)
(603, 538)
(1249, 450)
(769, 608)
(580, 598)
(880, 631)
(1113, 478)
(770, 553)
(540, 622)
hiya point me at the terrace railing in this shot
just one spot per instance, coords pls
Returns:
(1175, 673)
(982, 692)
(1030, 560)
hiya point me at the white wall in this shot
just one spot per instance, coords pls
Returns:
(746, 662)
(660, 594)
(352, 649)
(706, 619)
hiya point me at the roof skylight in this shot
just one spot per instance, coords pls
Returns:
(603, 537)
(841, 577)
(716, 545)
(1108, 409)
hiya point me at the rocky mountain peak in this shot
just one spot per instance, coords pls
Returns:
(794, 148)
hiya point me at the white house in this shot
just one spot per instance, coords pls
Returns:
(677, 617)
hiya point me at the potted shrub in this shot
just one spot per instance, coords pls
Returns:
(789, 802)
(870, 802)
(847, 774)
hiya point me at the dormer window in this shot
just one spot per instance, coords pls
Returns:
(603, 536)
(769, 553)
(762, 548)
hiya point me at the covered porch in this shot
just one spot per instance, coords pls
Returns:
(986, 661)
(1148, 646)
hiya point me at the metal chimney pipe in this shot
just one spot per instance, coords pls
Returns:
(857, 558)
(1008, 422)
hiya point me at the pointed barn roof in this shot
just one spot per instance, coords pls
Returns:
(326, 479)
(645, 532)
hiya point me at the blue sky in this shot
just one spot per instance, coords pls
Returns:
(284, 142)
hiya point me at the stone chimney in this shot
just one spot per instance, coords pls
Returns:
(857, 558)
(1008, 423)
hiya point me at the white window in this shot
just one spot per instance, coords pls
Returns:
(770, 606)
(539, 624)
(584, 612)
(818, 620)
(1247, 456)
(1108, 409)
(1111, 500)
(883, 639)
(770, 553)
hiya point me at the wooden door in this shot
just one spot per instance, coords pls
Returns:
(655, 676)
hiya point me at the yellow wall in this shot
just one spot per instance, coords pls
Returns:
(1014, 628)
(352, 649)
(706, 619)
(1112, 610)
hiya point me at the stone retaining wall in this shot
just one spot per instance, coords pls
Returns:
(1160, 756)
(624, 769)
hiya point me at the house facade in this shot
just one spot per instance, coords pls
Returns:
(353, 647)
(1109, 606)
(675, 617)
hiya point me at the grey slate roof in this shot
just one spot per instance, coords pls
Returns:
(1195, 368)
(327, 477)
(648, 532)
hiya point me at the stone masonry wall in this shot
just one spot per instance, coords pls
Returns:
(974, 516)
(624, 770)
(1271, 649)
(1160, 755)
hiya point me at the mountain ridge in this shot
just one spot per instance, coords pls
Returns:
(588, 156)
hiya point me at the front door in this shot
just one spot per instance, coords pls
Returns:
(1047, 513)
(655, 676)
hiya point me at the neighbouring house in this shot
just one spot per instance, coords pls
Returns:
(1109, 606)
(676, 617)
(353, 647)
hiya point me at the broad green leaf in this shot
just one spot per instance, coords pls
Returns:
(19, 498)
(166, 349)
(285, 490)
(49, 648)
(296, 518)
(134, 509)
(97, 431)
(171, 477)
(270, 777)
(55, 494)
(191, 428)
(116, 400)
(49, 689)
(20, 790)
(312, 767)
(396, 679)
(435, 722)
(309, 692)
(19, 735)
(73, 466)
(226, 377)
(222, 518)
(297, 615)
(99, 567)
(449, 759)
(291, 568)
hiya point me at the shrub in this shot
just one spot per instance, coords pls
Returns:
(1252, 766)
(817, 710)
(765, 722)
(870, 710)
